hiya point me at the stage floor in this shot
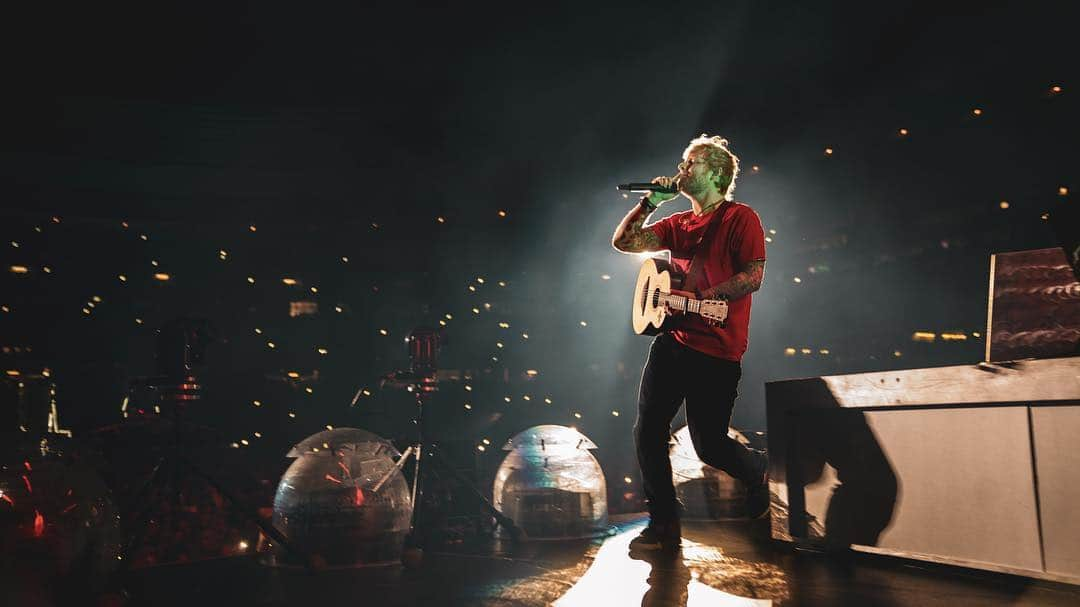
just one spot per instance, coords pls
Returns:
(730, 563)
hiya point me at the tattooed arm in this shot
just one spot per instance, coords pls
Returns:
(631, 235)
(747, 281)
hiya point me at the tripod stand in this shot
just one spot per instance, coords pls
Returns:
(173, 466)
(181, 345)
(422, 381)
(422, 451)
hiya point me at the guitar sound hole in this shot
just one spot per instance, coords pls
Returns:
(644, 298)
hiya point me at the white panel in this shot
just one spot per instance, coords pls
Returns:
(1057, 433)
(1023, 381)
(966, 484)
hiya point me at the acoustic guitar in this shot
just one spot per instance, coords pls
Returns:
(653, 297)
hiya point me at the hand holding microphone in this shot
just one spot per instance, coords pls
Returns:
(667, 190)
(659, 190)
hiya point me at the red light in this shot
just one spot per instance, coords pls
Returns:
(39, 524)
(359, 500)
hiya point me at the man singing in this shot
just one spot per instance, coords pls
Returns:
(720, 246)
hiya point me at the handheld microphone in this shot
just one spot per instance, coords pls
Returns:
(647, 187)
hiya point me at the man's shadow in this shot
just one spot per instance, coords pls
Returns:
(816, 432)
(669, 577)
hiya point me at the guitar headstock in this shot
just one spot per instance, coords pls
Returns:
(714, 311)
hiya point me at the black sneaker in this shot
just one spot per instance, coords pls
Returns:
(665, 535)
(757, 498)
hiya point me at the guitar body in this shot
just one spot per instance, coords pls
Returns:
(649, 317)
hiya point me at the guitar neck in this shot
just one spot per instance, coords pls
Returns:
(683, 304)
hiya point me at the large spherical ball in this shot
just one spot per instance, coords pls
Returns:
(343, 502)
(706, 493)
(551, 486)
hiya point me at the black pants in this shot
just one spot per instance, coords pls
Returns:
(709, 385)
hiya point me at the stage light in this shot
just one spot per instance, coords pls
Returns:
(19, 269)
(828, 151)
(162, 276)
(977, 111)
(1004, 204)
(288, 281)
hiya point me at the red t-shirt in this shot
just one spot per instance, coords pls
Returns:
(738, 240)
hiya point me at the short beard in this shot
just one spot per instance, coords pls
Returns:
(695, 186)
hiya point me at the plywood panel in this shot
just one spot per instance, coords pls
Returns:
(1057, 434)
(966, 484)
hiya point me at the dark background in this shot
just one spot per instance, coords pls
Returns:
(347, 132)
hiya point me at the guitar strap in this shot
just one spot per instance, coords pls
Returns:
(695, 273)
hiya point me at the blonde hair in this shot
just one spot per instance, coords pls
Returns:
(720, 159)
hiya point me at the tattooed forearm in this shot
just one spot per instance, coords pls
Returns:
(632, 237)
(747, 281)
